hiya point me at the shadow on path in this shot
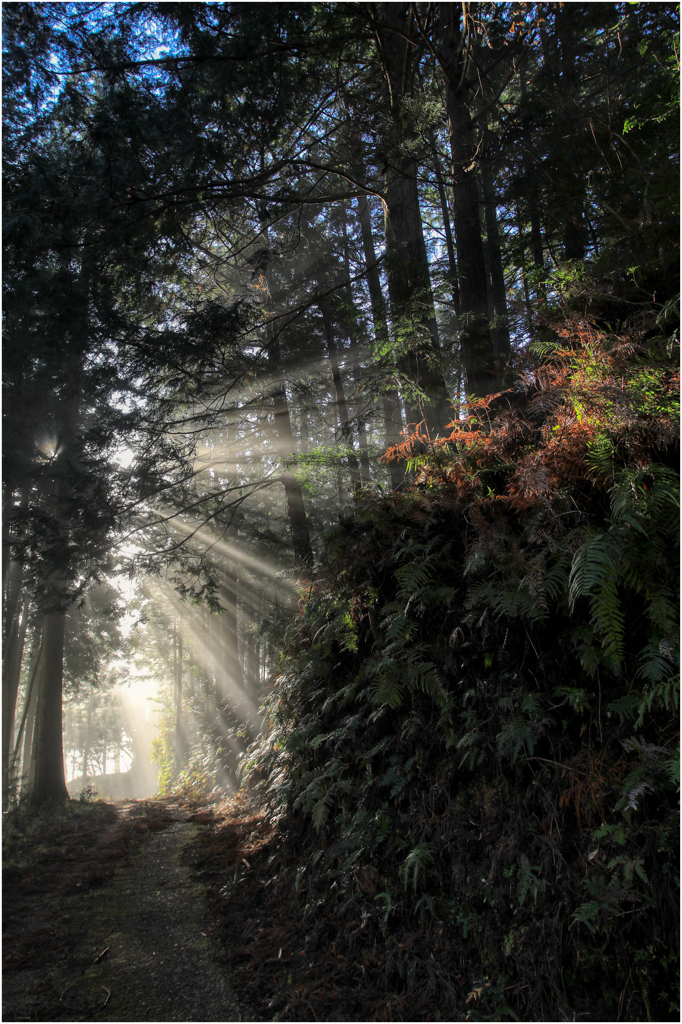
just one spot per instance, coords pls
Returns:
(105, 921)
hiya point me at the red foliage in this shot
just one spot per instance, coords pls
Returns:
(599, 393)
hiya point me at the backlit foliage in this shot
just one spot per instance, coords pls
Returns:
(473, 738)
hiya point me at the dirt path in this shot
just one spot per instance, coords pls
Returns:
(120, 885)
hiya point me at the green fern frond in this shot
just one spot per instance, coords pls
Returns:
(594, 574)
(665, 693)
(399, 629)
(607, 614)
(543, 348)
(389, 690)
(599, 456)
(515, 737)
(469, 744)
(505, 599)
(645, 496)
(320, 811)
(655, 664)
(556, 577)
(626, 707)
(593, 562)
(662, 609)
(425, 678)
(415, 864)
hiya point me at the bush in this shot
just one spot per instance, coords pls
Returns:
(473, 737)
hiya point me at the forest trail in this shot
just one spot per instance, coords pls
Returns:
(115, 879)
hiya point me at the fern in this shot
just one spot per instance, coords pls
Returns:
(630, 553)
(600, 456)
(594, 574)
(544, 348)
(389, 691)
(413, 577)
(666, 693)
(415, 864)
(516, 736)
(502, 600)
(656, 662)
(320, 811)
(395, 677)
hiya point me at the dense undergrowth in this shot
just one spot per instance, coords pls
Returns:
(473, 748)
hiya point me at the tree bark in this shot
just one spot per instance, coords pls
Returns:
(568, 31)
(230, 636)
(12, 596)
(533, 193)
(352, 331)
(50, 783)
(86, 741)
(447, 227)
(24, 738)
(498, 293)
(11, 673)
(284, 441)
(409, 282)
(300, 536)
(526, 291)
(27, 754)
(393, 422)
(476, 342)
(180, 738)
(50, 777)
(341, 405)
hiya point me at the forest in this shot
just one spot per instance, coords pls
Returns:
(341, 475)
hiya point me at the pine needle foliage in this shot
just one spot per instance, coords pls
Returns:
(473, 744)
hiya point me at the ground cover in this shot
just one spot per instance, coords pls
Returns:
(294, 959)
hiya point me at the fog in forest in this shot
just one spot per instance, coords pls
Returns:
(251, 279)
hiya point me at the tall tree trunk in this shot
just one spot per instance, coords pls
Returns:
(476, 343)
(7, 495)
(300, 535)
(230, 636)
(50, 777)
(284, 441)
(86, 742)
(50, 783)
(499, 327)
(391, 408)
(409, 282)
(537, 250)
(533, 196)
(560, 68)
(11, 673)
(341, 405)
(526, 291)
(447, 227)
(11, 569)
(352, 331)
(24, 739)
(180, 737)
(412, 310)
(27, 758)
(12, 597)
